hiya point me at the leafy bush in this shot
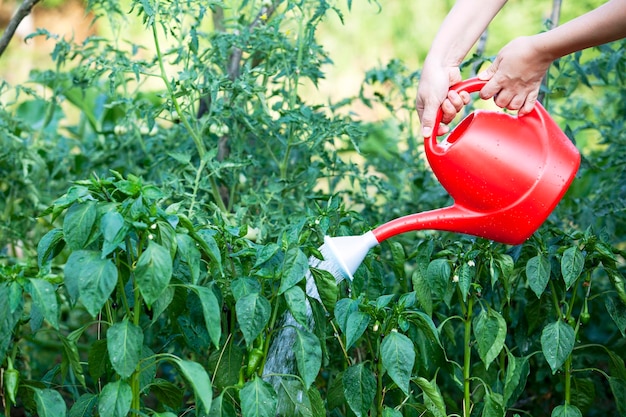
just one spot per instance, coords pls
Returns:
(163, 207)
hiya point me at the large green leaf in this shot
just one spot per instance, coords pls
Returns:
(433, 400)
(90, 278)
(124, 344)
(466, 275)
(48, 247)
(538, 273)
(115, 399)
(258, 399)
(153, 272)
(326, 284)
(49, 403)
(398, 356)
(199, 380)
(212, 311)
(253, 314)
(617, 311)
(618, 388)
(566, 410)
(493, 405)
(295, 267)
(308, 354)
(84, 406)
(517, 372)
(359, 389)
(438, 277)
(557, 343)
(78, 224)
(113, 231)
(490, 333)
(189, 254)
(343, 309)
(225, 364)
(572, 263)
(297, 303)
(355, 327)
(45, 300)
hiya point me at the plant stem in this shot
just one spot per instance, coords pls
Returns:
(467, 406)
(197, 140)
(568, 379)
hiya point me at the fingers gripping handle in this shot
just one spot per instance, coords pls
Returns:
(471, 85)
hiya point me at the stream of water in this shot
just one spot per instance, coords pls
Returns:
(281, 358)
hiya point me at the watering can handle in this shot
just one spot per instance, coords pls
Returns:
(471, 85)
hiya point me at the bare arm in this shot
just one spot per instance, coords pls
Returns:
(460, 30)
(515, 75)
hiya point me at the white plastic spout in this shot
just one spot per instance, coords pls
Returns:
(348, 252)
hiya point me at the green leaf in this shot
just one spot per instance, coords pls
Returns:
(398, 356)
(618, 388)
(166, 393)
(295, 267)
(343, 309)
(253, 314)
(422, 290)
(433, 400)
(78, 224)
(189, 254)
(45, 299)
(359, 389)
(617, 311)
(258, 399)
(97, 358)
(557, 343)
(572, 263)
(327, 288)
(438, 277)
(124, 344)
(538, 274)
(208, 245)
(199, 380)
(115, 399)
(71, 357)
(566, 410)
(113, 231)
(48, 247)
(297, 303)
(296, 401)
(222, 407)
(212, 311)
(84, 406)
(153, 272)
(493, 405)
(466, 274)
(49, 403)
(490, 333)
(244, 286)
(517, 372)
(308, 356)
(355, 327)
(225, 364)
(90, 278)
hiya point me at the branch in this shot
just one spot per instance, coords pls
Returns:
(23, 11)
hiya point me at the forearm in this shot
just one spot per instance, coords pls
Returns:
(460, 30)
(604, 24)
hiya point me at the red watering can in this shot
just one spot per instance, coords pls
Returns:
(505, 173)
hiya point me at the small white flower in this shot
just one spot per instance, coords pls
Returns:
(153, 226)
(150, 236)
(455, 278)
(120, 130)
(471, 263)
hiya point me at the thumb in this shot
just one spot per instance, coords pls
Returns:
(428, 121)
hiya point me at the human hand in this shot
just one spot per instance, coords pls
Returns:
(433, 92)
(514, 78)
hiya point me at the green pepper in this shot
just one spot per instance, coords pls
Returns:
(11, 382)
(255, 358)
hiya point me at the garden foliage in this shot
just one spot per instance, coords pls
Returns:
(161, 202)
